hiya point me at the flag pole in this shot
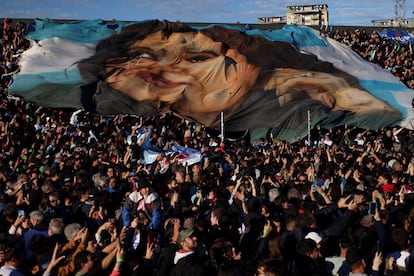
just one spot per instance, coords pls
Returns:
(222, 126)
(309, 129)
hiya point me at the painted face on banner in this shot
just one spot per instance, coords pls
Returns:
(188, 72)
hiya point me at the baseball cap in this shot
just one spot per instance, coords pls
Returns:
(314, 236)
(183, 235)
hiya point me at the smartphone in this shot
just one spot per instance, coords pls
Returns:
(314, 183)
(372, 207)
(21, 213)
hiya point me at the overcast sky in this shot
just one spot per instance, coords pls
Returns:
(341, 12)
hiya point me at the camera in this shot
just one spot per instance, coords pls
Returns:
(140, 221)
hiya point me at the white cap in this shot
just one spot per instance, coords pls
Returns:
(314, 236)
(391, 163)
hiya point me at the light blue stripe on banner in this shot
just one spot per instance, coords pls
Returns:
(93, 31)
(383, 90)
(237, 28)
(300, 36)
(26, 82)
(303, 36)
(86, 31)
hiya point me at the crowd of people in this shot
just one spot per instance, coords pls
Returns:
(387, 53)
(77, 199)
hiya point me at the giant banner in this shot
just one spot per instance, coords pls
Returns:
(402, 37)
(261, 80)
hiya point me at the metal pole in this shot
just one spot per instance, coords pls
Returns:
(222, 126)
(309, 128)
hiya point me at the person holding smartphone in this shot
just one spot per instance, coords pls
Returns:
(19, 225)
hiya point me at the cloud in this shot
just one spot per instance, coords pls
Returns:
(360, 15)
(183, 10)
(350, 12)
(62, 9)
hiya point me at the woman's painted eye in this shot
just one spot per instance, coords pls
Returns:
(142, 55)
(199, 57)
(146, 55)
(196, 59)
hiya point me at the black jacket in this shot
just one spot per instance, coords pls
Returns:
(189, 266)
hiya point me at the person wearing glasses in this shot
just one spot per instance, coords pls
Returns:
(56, 209)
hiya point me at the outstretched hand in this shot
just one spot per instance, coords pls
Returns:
(342, 202)
(54, 261)
(376, 263)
